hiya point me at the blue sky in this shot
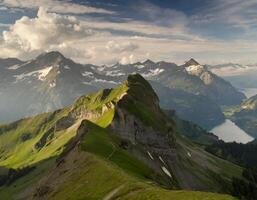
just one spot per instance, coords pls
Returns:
(105, 32)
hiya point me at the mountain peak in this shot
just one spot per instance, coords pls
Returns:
(138, 86)
(51, 56)
(6, 62)
(149, 62)
(191, 62)
(137, 79)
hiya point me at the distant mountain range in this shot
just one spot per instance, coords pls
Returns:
(51, 81)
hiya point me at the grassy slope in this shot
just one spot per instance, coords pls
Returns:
(216, 173)
(17, 188)
(101, 172)
(127, 177)
(18, 152)
(105, 162)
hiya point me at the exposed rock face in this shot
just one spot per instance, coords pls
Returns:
(64, 123)
(191, 62)
(133, 130)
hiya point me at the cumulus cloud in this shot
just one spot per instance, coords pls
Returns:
(63, 6)
(127, 59)
(113, 46)
(28, 37)
(43, 32)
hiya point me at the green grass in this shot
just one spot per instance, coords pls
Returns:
(16, 152)
(95, 101)
(16, 189)
(108, 168)
(105, 144)
(101, 174)
(101, 177)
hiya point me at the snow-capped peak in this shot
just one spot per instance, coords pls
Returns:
(191, 62)
(194, 68)
(40, 74)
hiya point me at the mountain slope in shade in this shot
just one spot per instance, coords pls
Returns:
(245, 116)
(46, 83)
(192, 131)
(186, 104)
(119, 137)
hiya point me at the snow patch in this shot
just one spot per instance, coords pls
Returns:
(153, 72)
(150, 155)
(166, 171)
(88, 74)
(104, 81)
(139, 66)
(14, 67)
(66, 67)
(189, 154)
(40, 74)
(194, 68)
(160, 158)
(53, 84)
(101, 68)
(87, 83)
(115, 73)
(43, 73)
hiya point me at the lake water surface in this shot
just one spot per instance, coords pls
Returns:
(230, 132)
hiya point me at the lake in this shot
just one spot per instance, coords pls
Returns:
(230, 132)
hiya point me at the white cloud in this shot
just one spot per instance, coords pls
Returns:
(89, 41)
(236, 13)
(163, 16)
(231, 69)
(59, 6)
(113, 46)
(45, 31)
(127, 59)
